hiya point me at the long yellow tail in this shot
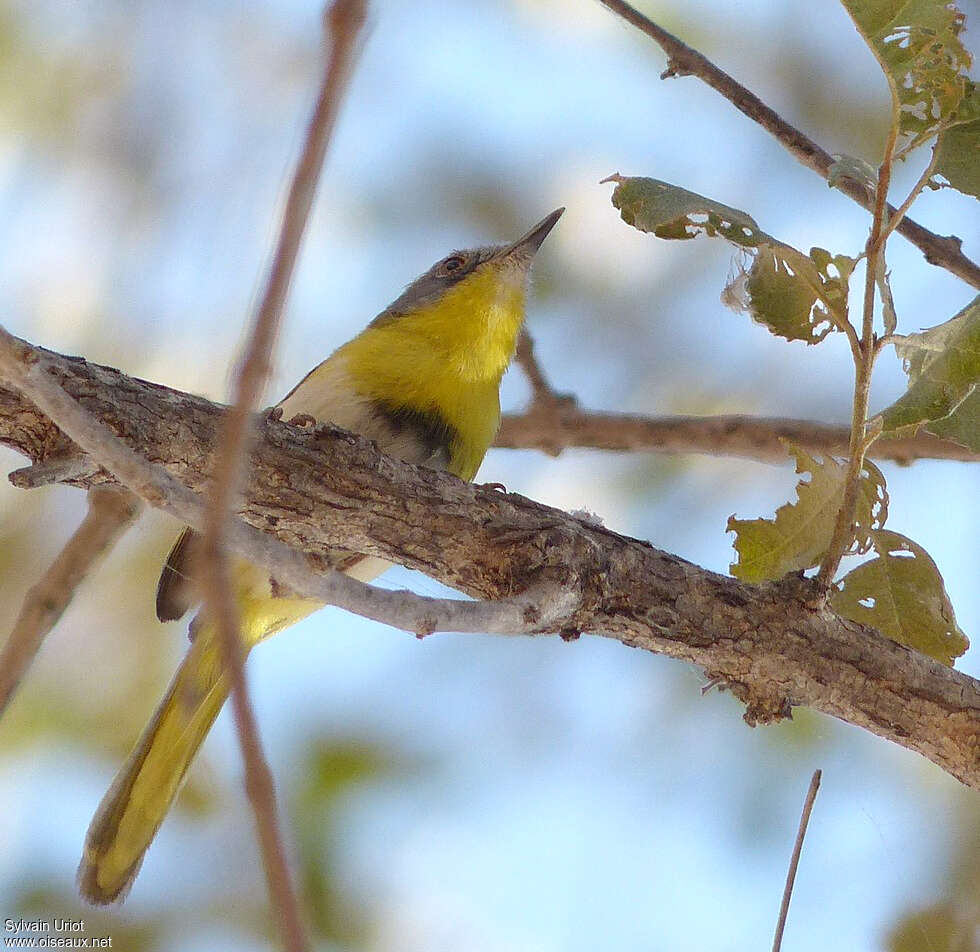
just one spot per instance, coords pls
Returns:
(138, 800)
(140, 796)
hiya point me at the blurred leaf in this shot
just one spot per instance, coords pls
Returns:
(333, 769)
(958, 161)
(940, 928)
(943, 364)
(801, 532)
(917, 44)
(851, 167)
(900, 592)
(795, 296)
(963, 424)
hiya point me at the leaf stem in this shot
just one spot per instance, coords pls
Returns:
(896, 219)
(864, 364)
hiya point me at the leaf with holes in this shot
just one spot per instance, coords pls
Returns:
(943, 364)
(901, 593)
(917, 44)
(796, 296)
(669, 211)
(800, 534)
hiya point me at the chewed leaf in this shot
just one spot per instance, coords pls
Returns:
(669, 211)
(917, 43)
(800, 534)
(958, 161)
(963, 424)
(797, 296)
(900, 592)
(943, 364)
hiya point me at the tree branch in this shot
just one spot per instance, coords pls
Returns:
(553, 429)
(773, 645)
(944, 252)
(111, 511)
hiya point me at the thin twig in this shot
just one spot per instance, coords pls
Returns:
(541, 391)
(896, 218)
(945, 252)
(111, 509)
(342, 24)
(53, 471)
(811, 796)
(754, 438)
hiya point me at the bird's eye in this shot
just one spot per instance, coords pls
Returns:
(453, 263)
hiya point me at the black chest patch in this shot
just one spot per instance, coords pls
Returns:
(434, 434)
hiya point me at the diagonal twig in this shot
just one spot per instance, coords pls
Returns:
(111, 510)
(794, 861)
(944, 252)
(342, 24)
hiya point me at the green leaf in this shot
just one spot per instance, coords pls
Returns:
(800, 534)
(850, 167)
(958, 161)
(669, 211)
(962, 425)
(900, 592)
(943, 364)
(796, 296)
(917, 43)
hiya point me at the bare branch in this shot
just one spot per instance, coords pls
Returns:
(342, 24)
(553, 429)
(53, 471)
(944, 252)
(110, 512)
(536, 610)
(794, 862)
(542, 394)
(774, 645)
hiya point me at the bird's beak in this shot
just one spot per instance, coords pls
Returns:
(527, 246)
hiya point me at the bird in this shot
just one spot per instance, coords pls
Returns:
(422, 380)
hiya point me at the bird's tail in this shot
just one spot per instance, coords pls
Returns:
(140, 796)
(138, 800)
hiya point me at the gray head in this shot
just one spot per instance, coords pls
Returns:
(457, 265)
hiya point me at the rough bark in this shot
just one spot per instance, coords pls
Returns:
(774, 645)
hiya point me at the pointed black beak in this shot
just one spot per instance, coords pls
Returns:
(527, 246)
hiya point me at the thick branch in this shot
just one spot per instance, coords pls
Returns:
(944, 252)
(774, 644)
